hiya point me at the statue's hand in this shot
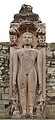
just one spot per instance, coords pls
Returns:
(39, 90)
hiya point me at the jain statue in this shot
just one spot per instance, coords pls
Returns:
(27, 74)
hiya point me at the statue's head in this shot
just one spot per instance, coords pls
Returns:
(27, 39)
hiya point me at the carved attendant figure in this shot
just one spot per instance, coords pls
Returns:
(27, 71)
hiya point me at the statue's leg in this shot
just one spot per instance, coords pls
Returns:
(32, 81)
(22, 89)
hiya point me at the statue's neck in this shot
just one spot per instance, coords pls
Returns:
(27, 46)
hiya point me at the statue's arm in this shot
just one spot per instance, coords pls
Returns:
(40, 69)
(15, 68)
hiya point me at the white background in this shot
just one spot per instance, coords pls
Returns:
(45, 9)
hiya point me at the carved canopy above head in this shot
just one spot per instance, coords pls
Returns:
(27, 26)
(25, 21)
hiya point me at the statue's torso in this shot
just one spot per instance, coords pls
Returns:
(27, 59)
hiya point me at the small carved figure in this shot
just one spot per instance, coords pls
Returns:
(13, 35)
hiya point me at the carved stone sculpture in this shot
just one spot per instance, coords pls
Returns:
(27, 72)
(27, 69)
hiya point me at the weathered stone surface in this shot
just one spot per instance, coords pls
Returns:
(50, 63)
(50, 102)
(4, 73)
(26, 14)
(5, 97)
(6, 90)
(4, 84)
(50, 94)
(5, 69)
(4, 102)
(29, 51)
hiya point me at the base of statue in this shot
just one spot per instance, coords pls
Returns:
(17, 116)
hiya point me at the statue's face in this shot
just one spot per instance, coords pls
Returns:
(27, 39)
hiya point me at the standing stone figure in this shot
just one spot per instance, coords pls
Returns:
(27, 74)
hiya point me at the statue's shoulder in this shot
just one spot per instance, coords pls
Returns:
(35, 50)
(18, 50)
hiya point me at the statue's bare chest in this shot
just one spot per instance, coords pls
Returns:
(27, 59)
